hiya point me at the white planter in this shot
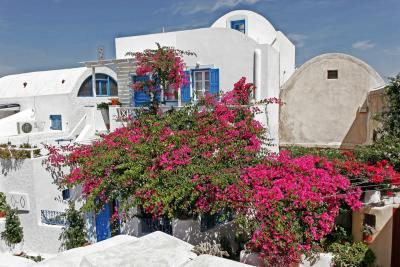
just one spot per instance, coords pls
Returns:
(372, 196)
(17, 249)
(325, 260)
(388, 200)
(251, 258)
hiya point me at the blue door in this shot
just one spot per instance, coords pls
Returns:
(186, 88)
(103, 227)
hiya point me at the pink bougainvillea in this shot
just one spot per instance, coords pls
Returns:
(291, 203)
(211, 157)
(164, 67)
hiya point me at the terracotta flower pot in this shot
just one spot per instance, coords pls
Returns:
(115, 101)
(368, 239)
(3, 214)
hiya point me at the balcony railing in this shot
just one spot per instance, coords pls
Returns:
(125, 113)
(52, 217)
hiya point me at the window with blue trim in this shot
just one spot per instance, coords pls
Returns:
(201, 82)
(105, 86)
(205, 81)
(239, 25)
(56, 122)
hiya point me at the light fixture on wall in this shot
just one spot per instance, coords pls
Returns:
(25, 84)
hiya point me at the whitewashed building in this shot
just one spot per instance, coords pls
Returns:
(58, 104)
(239, 44)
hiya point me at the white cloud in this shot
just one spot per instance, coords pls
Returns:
(393, 51)
(193, 7)
(297, 39)
(363, 45)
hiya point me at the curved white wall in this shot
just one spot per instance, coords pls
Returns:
(257, 27)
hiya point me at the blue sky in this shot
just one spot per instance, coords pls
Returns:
(48, 34)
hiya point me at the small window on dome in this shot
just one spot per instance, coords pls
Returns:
(239, 25)
(333, 74)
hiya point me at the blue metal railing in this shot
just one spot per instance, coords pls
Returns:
(52, 217)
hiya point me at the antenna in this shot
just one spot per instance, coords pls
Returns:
(100, 53)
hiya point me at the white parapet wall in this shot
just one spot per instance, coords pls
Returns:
(29, 187)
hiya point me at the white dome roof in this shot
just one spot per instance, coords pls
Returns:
(257, 27)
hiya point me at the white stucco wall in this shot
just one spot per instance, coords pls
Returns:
(287, 55)
(325, 112)
(234, 60)
(31, 178)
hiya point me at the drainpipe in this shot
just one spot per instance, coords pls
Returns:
(94, 81)
(257, 73)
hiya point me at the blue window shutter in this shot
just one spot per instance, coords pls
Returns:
(214, 82)
(56, 123)
(186, 88)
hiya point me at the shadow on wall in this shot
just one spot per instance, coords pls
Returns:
(383, 239)
(190, 232)
(363, 129)
(8, 165)
(357, 134)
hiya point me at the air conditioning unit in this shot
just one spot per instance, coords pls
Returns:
(26, 127)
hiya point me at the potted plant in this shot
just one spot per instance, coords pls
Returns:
(13, 233)
(368, 232)
(115, 102)
(103, 107)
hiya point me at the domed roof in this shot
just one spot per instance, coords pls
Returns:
(335, 56)
(257, 27)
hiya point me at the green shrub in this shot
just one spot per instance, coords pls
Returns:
(3, 203)
(390, 117)
(387, 148)
(13, 233)
(73, 235)
(329, 153)
(103, 105)
(352, 254)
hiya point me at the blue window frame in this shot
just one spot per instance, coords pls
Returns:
(105, 86)
(56, 122)
(205, 81)
(239, 25)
